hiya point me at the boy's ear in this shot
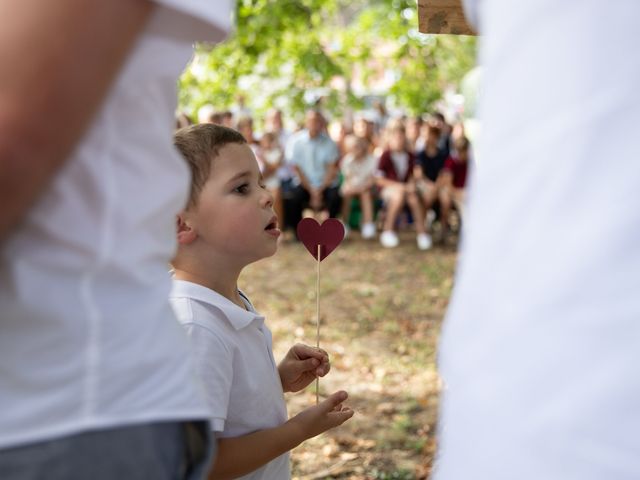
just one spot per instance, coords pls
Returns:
(185, 233)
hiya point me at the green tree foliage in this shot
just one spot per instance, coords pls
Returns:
(284, 48)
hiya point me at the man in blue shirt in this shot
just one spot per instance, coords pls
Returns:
(314, 157)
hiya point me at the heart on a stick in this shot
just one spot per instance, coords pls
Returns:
(328, 236)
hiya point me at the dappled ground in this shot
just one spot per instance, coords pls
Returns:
(381, 312)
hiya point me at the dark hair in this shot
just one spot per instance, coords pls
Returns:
(200, 145)
(439, 116)
(434, 130)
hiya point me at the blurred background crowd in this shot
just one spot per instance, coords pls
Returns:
(376, 171)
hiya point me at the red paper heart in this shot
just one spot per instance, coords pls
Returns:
(328, 235)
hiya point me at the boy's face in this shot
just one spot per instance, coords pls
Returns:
(234, 215)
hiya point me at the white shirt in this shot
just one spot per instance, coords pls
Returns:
(87, 336)
(234, 355)
(400, 163)
(541, 346)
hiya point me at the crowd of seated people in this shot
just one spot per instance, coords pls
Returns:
(386, 173)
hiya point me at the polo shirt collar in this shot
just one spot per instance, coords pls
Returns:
(237, 316)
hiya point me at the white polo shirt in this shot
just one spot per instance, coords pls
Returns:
(88, 339)
(233, 351)
(540, 351)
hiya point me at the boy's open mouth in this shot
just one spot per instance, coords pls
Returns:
(273, 224)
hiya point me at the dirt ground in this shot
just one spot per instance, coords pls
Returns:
(381, 312)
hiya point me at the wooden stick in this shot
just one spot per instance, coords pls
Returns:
(318, 319)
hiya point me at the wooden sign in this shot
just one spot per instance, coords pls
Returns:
(443, 16)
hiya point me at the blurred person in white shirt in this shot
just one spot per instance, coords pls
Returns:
(540, 346)
(95, 373)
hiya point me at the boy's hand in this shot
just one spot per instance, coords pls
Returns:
(301, 365)
(326, 415)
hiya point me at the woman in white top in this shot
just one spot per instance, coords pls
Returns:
(358, 169)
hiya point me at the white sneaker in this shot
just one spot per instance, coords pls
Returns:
(368, 230)
(347, 231)
(389, 239)
(424, 241)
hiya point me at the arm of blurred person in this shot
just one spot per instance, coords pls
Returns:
(58, 60)
(315, 194)
(304, 181)
(331, 173)
(383, 182)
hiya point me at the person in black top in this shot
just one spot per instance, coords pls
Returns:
(429, 164)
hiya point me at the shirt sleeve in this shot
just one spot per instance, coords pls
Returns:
(294, 151)
(334, 153)
(217, 13)
(383, 165)
(214, 364)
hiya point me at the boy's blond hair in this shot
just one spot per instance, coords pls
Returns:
(200, 145)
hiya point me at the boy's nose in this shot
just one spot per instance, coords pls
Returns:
(267, 199)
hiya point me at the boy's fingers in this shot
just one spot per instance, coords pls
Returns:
(305, 351)
(310, 365)
(332, 401)
(323, 369)
(342, 416)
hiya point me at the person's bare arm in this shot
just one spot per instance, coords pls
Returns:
(383, 182)
(57, 61)
(331, 172)
(304, 181)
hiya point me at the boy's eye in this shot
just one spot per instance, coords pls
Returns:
(244, 188)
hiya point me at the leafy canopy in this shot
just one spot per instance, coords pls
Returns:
(286, 53)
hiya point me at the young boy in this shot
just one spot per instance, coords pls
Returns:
(229, 223)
